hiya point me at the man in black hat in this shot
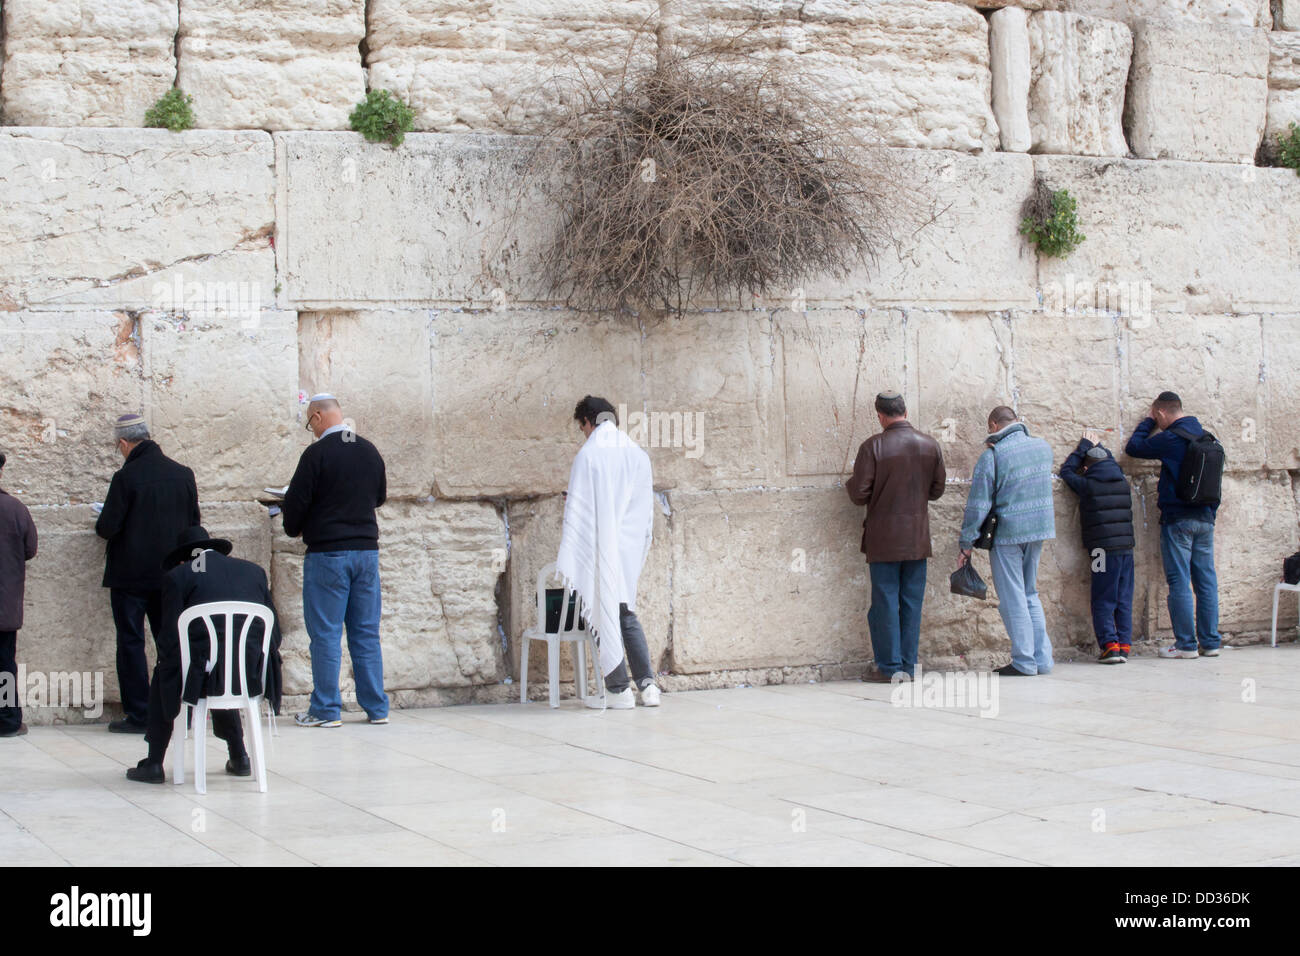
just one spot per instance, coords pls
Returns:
(201, 571)
(150, 500)
(1106, 519)
(17, 547)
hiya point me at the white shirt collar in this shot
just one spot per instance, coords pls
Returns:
(332, 429)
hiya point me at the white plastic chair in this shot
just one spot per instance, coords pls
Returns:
(583, 639)
(233, 651)
(1277, 593)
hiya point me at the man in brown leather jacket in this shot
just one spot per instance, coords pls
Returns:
(898, 472)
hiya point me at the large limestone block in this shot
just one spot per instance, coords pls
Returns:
(1079, 68)
(346, 237)
(710, 420)
(439, 565)
(504, 389)
(1254, 531)
(535, 527)
(378, 364)
(145, 219)
(492, 66)
(767, 579)
(1197, 91)
(1246, 13)
(86, 62)
(1283, 89)
(962, 368)
(956, 241)
(1214, 364)
(282, 64)
(1196, 237)
(68, 624)
(912, 72)
(1286, 14)
(1009, 66)
(834, 364)
(1281, 427)
(1067, 378)
(65, 377)
(223, 398)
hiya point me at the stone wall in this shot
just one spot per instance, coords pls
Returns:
(210, 278)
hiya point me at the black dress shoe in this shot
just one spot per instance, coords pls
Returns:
(1012, 671)
(146, 772)
(19, 732)
(126, 726)
(240, 767)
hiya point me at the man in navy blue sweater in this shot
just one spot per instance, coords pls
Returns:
(1186, 532)
(331, 502)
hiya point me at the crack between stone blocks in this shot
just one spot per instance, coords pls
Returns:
(363, 47)
(176, 48)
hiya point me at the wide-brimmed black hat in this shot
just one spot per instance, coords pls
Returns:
(192, 539)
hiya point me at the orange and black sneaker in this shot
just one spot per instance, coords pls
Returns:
(1112, 654)
(1124, 650)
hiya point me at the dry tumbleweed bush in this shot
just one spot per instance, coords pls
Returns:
(709, 172)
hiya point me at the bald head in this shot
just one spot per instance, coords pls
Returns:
(322, 414)
(1001, 417)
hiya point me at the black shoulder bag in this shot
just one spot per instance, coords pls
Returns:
(990, 526)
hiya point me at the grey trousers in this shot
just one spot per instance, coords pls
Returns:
(638, 655)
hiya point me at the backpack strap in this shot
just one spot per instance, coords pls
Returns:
(1183, 433)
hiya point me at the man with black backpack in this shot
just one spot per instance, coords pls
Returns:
(1191, 469)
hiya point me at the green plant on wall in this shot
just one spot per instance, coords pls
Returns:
(1288, 148)
(172, 111)
(1050, 221)
(382, 117)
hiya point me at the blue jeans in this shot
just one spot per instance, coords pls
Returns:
(1187, 549)
(897, 589)
(342, 588)
(1112, 599)
(1015, 576)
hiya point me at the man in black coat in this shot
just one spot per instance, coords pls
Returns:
(201, 572)
(150, 501)
(17, 547)
(1106, 519)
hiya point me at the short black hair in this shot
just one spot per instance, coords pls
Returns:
(1168, 402)
(2, 459)
(590, 408)
(892, 407)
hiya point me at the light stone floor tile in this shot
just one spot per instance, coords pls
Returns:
(1152, 763)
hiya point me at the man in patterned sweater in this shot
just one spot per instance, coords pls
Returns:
(1013, 479)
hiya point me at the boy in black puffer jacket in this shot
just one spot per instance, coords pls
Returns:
(1106, 517)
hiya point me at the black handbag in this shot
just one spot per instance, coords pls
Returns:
(967, 582)
(990, 526)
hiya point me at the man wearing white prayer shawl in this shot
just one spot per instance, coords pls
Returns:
(608, 520)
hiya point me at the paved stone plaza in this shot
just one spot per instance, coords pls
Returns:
(1151, 762)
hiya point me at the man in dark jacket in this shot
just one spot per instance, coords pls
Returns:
(1186, 531)
(331, 502)
(1106, 520)
(17, 547)
(150, 501)
(201, 572)
(897, 473)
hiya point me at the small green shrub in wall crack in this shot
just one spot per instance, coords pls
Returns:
(1288, 148)
(382, 118)
(1051, 222)
(172, 111)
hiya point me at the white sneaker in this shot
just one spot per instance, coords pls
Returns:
(650, 695)
(1209, 652)
(623, 701)
(1173, 652)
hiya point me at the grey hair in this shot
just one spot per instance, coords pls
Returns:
(133, 433)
